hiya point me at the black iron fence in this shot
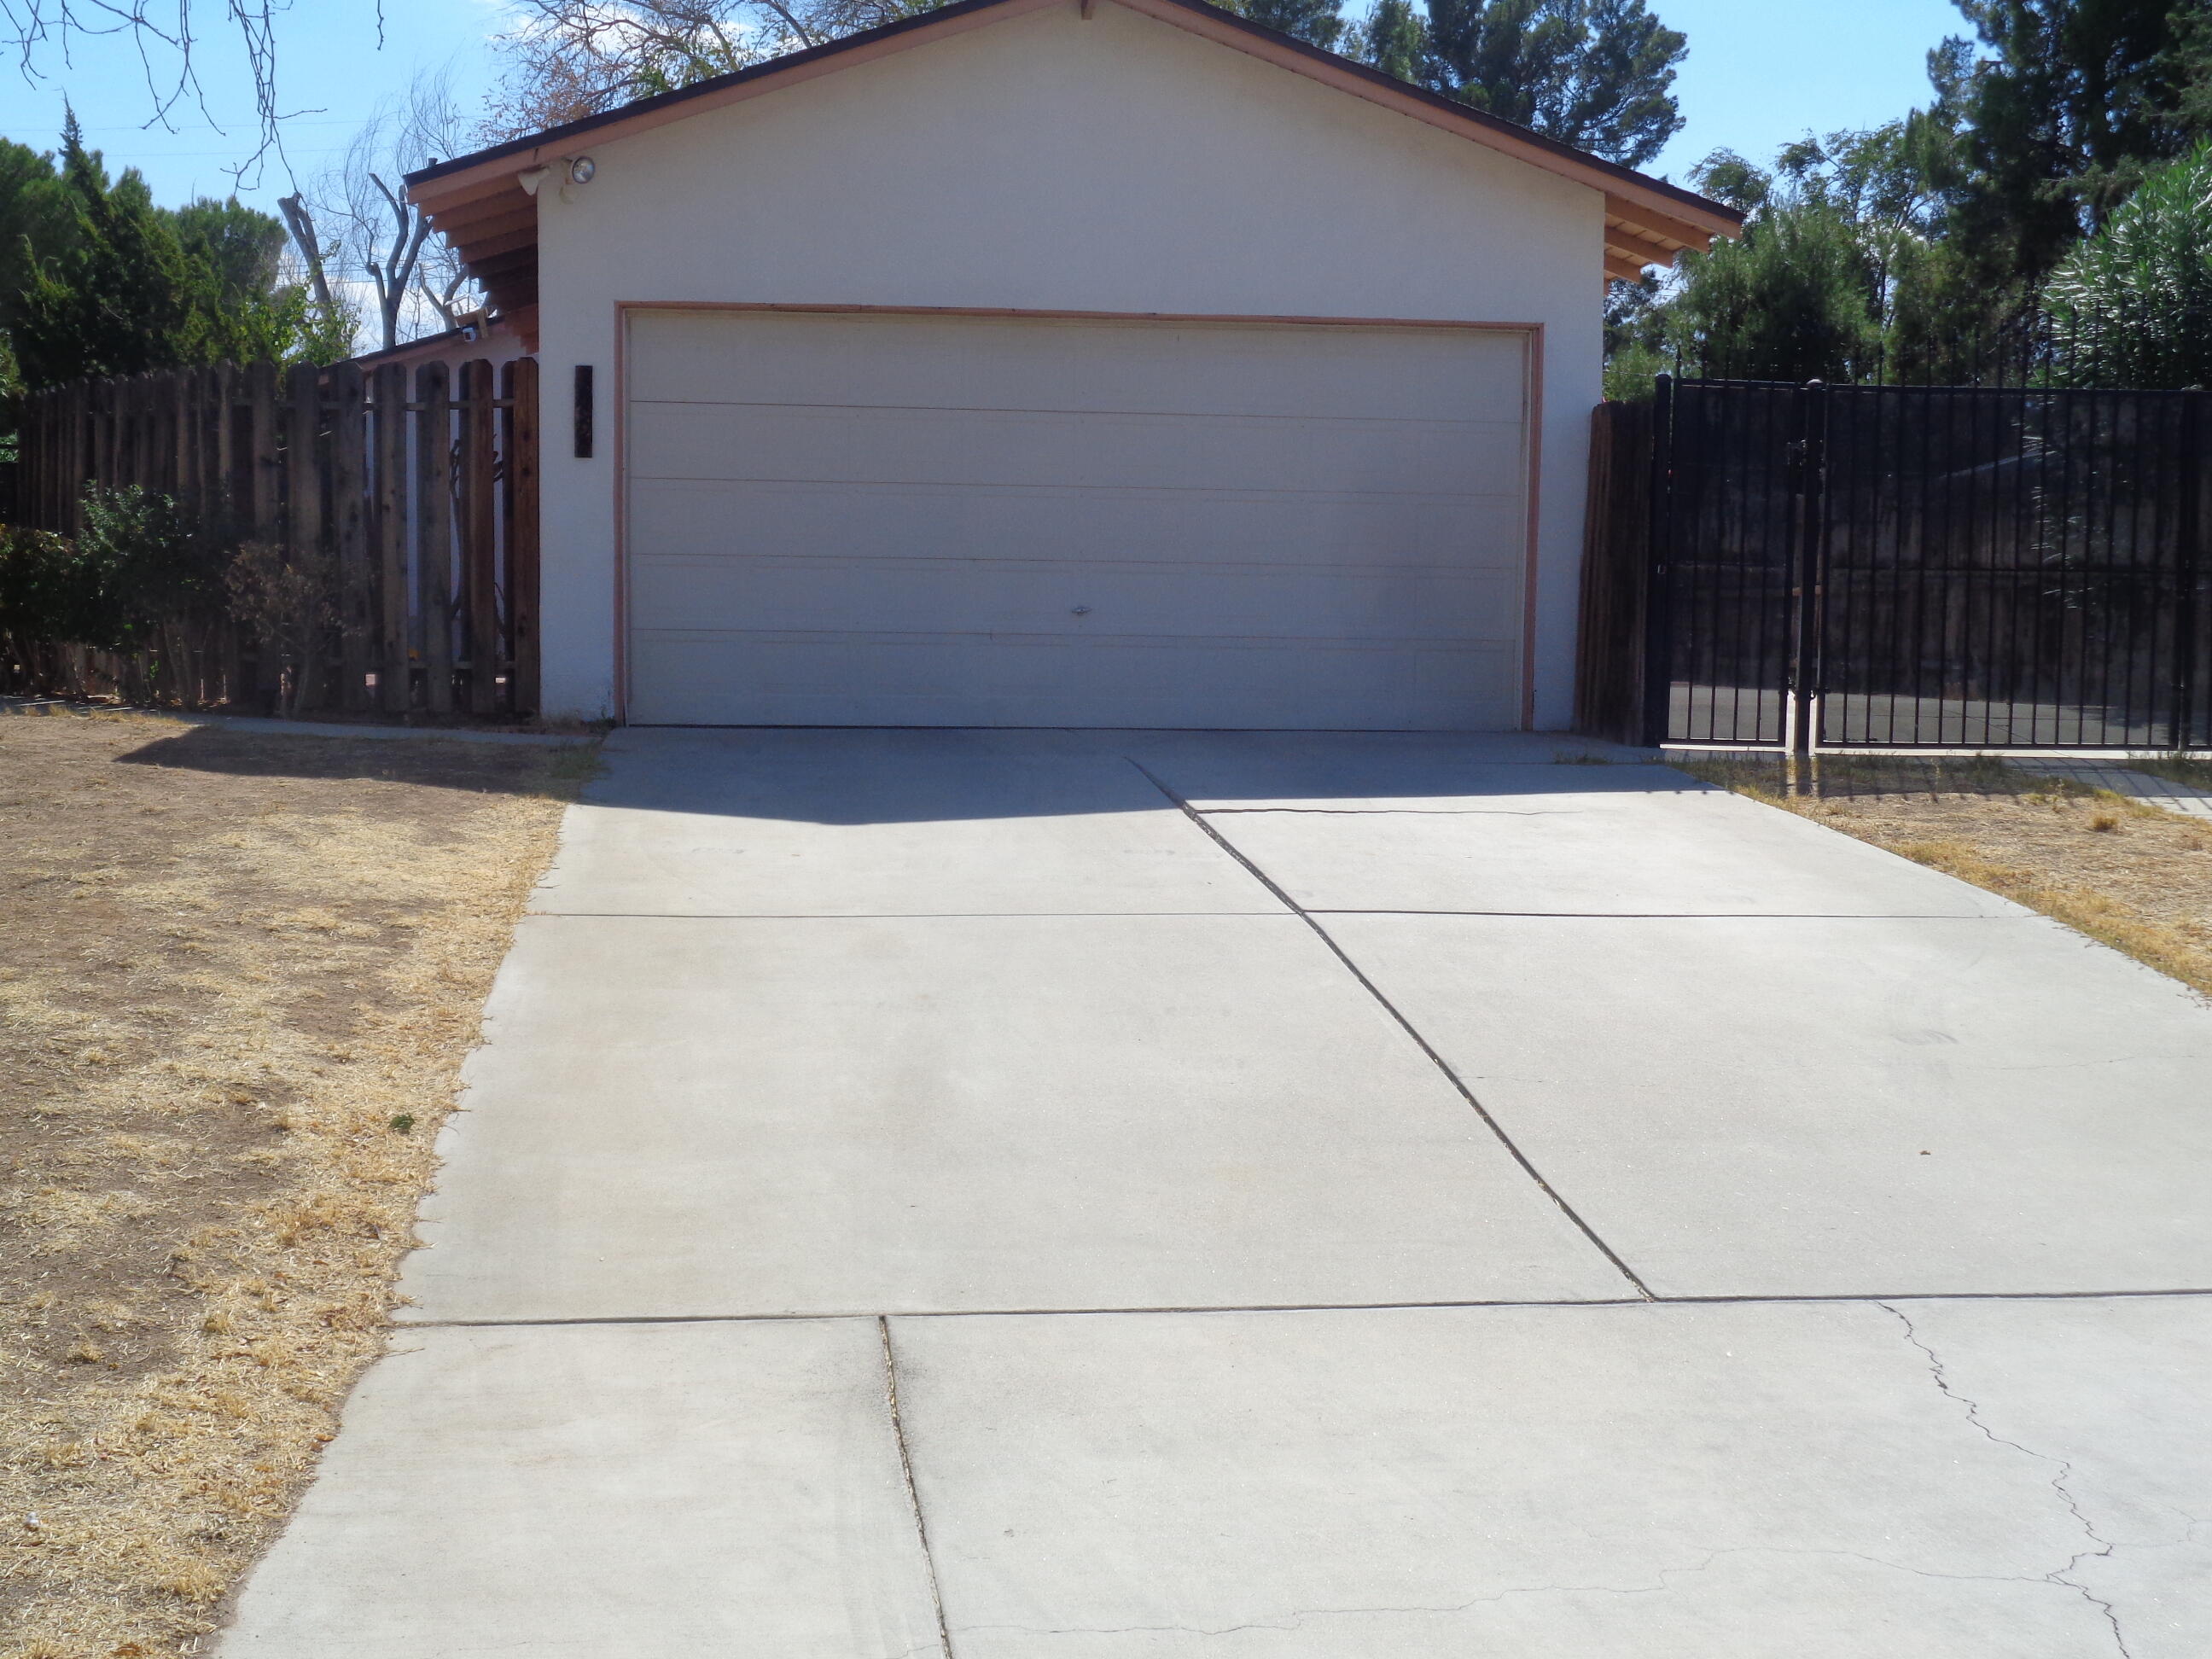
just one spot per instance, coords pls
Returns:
(1982, 566)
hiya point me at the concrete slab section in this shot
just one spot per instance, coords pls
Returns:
(2111, 1393)
(1645, 1482)
(680, 1117)
(1554, 847)
(800, 822)
(605, 1492)
(1832, 1107)
(1358, 770)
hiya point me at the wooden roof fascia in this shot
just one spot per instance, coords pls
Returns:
(1649, 222)
(484, 247)
(1636, 251)
(1630, 240)
(463, 241)
(475, 190)
(1624, 269)
(489, 220)
(1639, 197)
(491, 267)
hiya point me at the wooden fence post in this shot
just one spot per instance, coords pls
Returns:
(394, 675)
(434, 533)
(76, 410)
(264, 482)
(303, 514)
(1610, 672)
(479, 545)
(519, 386)
(265, 498)
(179, 401)
(349, 521)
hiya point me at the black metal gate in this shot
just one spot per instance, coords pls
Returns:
(1970, 567)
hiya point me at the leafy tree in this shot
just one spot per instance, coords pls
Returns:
(1794, 299)
(1843, 268)
(1314, 21)
(126, 288)
(1392, 37)
(33, 212)
(246, 249)
(2133, 302)
(1595, 74)
(2060, 104)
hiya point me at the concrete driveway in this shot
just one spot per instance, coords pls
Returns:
(1080, 1195)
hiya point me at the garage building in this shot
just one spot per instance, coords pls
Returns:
(1059, 362)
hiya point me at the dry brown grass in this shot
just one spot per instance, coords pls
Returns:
(2138, 877)
(230, 965)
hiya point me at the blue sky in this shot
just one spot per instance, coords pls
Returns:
(1760, 73)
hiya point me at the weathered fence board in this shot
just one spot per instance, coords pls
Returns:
(419, 512)
(1616, 535)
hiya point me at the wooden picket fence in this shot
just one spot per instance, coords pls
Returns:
(423, 495)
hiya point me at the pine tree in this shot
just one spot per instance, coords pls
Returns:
(1392, 38)
(1595, 74)
(1314, 21)
(127, 287)
(2062, 104)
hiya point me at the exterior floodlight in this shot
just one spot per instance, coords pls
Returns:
(582, 169)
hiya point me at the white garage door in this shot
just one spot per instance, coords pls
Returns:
(897, 520)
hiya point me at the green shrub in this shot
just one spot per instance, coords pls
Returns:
(2133, 303)
(139, 562)
(49, 591)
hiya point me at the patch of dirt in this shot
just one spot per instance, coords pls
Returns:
(2138, 877)
(237, 976)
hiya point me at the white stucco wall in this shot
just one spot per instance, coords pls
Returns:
(1052, 162)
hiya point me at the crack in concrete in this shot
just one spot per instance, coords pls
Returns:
(2064, 1471)
(1296, 1620)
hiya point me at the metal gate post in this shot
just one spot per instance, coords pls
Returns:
(1808, 480)
(2189, 567)
(1658, 609)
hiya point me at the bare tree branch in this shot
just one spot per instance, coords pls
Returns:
(164, 36)
(378, 241)
(301, 224)
(569, 58)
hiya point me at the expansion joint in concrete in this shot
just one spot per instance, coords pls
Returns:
(1649, 1299)
(1405, 1024)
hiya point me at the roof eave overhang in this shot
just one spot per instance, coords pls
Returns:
(481, 205)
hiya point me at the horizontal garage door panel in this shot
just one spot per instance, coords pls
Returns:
(1135, 367)
(737, 519)
(1168, 602)
(1099, 451)
(919, 521)
(971, 680)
